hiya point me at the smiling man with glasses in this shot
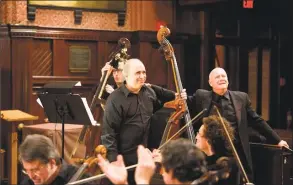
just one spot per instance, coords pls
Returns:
(42, 163)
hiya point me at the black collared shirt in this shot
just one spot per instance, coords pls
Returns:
(63, 177)
(126, 120)
(226, 108)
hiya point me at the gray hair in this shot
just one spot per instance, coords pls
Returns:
(38, 147)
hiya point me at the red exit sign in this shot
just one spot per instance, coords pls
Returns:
(247, 3)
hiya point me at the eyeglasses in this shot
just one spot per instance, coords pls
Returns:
(36, 170)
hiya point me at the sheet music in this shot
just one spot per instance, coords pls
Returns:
(88, 110)
(39, 102)
(78, 84)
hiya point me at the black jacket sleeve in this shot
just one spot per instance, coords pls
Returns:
(164, 95)
(259, 124)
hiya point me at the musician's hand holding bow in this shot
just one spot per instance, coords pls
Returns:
(115, 171)
(283, 143)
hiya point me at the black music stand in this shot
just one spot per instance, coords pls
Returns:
(62, 106)
(271, 164)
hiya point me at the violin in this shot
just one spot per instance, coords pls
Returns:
(219, 171)
(90, 164)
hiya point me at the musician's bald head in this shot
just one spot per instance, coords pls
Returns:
(135, 74)
(218, 80)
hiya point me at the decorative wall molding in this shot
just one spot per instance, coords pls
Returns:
(121, 18)
(85, 35)
(31, 13)
(77, 16)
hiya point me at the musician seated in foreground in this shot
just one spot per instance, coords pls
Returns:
(42, 163)
(182, 163)
(212, 140)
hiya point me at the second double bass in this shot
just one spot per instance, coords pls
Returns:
(116, 58)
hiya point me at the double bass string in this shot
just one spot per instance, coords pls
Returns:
(179, 132)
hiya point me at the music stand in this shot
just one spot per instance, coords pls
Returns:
(62, 106)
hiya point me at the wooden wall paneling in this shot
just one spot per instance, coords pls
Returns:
(5, 69)
(5, 89)
(134, 50)
(42, 57)
(21, 73)
(155, 64)
(102, 48)
(42, 65)
(60, 58)
(21, 97)
(146, 48)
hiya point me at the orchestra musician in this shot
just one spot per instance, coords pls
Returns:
(127, 114)
(182, 163)
(42, 163)
(236, 107)
(212, 140)
(117, 76)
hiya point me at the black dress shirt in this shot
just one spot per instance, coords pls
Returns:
(126, 120)
(227, 110)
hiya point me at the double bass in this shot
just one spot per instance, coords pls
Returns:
(179, 105)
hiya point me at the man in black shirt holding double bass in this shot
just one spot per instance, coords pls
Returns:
(127, 114)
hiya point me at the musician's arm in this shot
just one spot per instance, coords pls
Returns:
(164, 95)
(111, 123)
(259, 124)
